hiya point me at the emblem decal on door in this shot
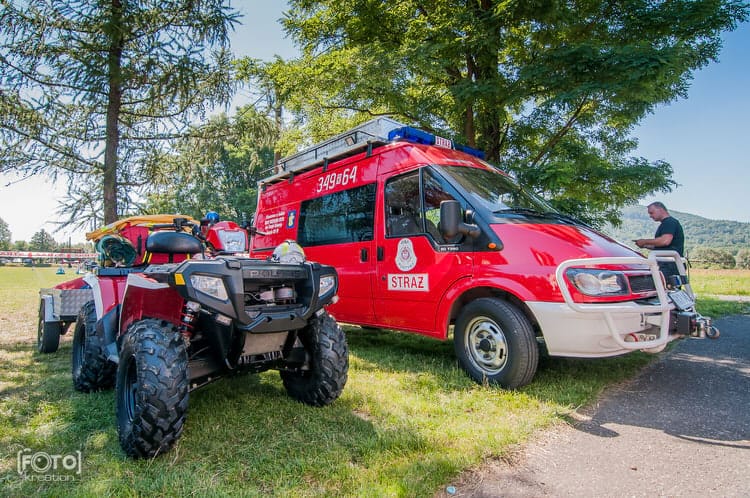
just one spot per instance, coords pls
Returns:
(405, 257)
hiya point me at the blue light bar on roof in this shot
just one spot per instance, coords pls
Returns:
(418, 136)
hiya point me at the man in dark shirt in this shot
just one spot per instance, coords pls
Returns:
(669, 236)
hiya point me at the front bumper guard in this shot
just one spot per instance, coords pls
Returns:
(687, 320)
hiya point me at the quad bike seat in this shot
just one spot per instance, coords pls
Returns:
(170, 243)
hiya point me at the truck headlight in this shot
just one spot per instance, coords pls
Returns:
(593, 282)
(211, 286)
(327, 284)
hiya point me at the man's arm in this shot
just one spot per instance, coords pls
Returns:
(661, 241)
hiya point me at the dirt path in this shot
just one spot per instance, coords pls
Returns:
(680, 428)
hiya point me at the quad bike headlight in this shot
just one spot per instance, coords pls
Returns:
(327, 284)
(593, 282)
(211, 286)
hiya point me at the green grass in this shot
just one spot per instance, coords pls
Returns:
(408, 422)
(19, 299)
(720, 282)
(716, 307)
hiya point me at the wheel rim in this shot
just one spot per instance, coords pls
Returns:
(486, 345)
(131, 390)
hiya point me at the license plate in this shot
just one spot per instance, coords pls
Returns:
(681, 299)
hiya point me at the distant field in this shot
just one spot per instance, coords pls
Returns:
(408, 422)
(720, 282)
(19, 290)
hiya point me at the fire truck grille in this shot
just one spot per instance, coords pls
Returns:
(642, 283)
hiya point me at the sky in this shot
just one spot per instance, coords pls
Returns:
(705, 137)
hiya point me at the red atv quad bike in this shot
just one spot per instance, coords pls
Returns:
(170, 319)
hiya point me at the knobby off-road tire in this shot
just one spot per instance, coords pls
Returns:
(495, 343)
(91, 369)
(48, 333)
(152, 388)
(329, 364)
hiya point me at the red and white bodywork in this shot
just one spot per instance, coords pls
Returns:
(347, 211)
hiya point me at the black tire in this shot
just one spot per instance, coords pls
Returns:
(48, 333)
(92, 371)
(152, 389)
(328, 356)
(495, 343)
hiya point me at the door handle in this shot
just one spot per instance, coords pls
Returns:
(363, 255)
(381, 253)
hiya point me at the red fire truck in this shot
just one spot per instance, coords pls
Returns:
(429, 238)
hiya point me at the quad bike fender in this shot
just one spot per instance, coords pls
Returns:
(146, 298)
(107, 327)
(107, 291)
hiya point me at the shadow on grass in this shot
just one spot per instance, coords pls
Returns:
(42, 413)
(568, 382)
(243, 435)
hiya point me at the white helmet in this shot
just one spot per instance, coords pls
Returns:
(288, 252)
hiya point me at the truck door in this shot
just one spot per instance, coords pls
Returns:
(338, 229)
(415, 265)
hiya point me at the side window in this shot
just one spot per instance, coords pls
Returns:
(338, 218)
(435, 190)
(402, 205)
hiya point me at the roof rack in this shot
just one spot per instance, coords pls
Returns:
(372, 133)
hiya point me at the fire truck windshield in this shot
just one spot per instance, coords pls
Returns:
(496, 192)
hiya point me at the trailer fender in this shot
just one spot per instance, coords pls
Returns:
(49, 308)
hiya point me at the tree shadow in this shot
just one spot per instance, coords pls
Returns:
(243, 428)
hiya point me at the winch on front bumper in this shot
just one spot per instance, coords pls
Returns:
(686, 321)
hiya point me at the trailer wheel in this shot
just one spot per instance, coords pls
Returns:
(328, 354)
(495, 343)
(92, 371)
(151, 389)
(48, 333)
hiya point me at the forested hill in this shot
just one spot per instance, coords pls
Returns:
(699, 231)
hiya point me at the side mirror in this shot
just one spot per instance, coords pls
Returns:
(451, 223)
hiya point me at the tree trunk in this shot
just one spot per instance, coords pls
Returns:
(114, 103)
(469, 132)
(277, 113)
(487, 121)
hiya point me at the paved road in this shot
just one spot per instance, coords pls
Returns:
(680, 428)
